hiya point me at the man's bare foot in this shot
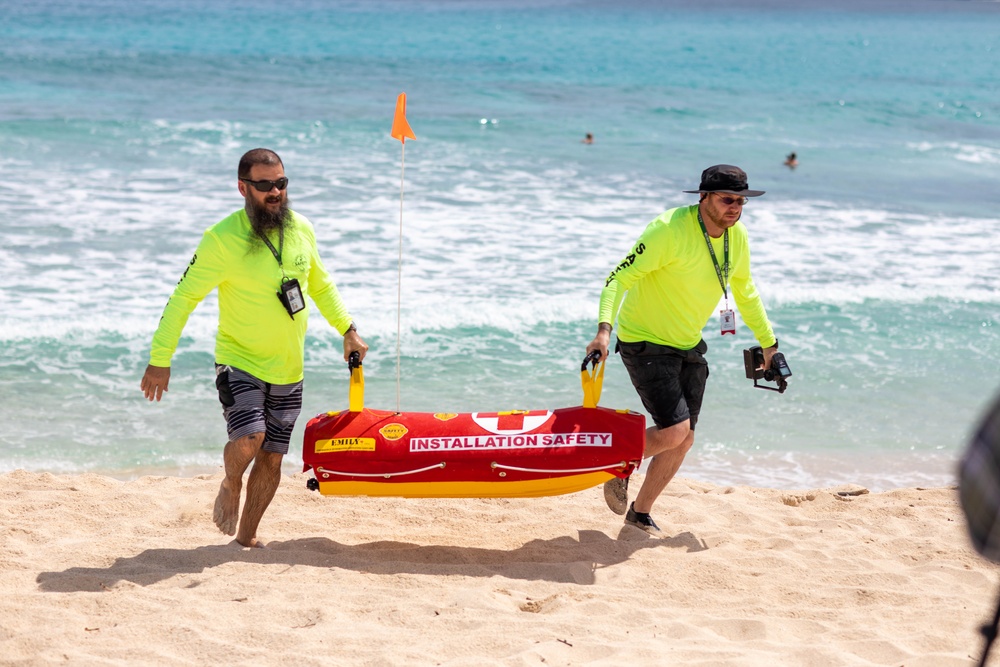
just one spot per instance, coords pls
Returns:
(252, 543)
(227, 509)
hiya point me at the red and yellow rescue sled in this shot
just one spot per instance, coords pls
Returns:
(518, 453)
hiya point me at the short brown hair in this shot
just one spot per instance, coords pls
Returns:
(256, 156)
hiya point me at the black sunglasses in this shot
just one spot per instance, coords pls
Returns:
(267, 186)
(729, 201)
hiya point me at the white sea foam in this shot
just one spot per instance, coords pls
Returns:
(972, 153)
(778, 469)
(504, 245)
(828, 253)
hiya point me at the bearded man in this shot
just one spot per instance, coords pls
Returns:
(263, 259)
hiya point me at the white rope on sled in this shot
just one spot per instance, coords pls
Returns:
(620, 464)
(386, 475)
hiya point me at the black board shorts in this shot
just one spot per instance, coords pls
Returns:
(670, 381)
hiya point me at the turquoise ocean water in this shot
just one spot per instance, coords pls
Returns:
(121, 124)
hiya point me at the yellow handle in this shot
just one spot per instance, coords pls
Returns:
(593, 382)
(356, 391)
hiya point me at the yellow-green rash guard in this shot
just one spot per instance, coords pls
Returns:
(668, 288)
(255, 333)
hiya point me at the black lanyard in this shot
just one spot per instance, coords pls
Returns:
(711, 251)
(281, 245)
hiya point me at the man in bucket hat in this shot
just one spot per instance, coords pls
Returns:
(663, 292)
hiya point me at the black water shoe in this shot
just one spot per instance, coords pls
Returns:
(642, 521)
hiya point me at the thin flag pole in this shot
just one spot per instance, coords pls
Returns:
(400, 130)
(399, 271)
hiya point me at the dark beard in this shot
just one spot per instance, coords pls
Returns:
(264, 221)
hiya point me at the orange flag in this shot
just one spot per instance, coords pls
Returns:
(400, 128)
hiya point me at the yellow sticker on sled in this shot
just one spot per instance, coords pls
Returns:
(444, 416)
(345, 445)
(393, 431)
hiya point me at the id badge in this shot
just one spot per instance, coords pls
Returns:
(728, 321)
(291, 297)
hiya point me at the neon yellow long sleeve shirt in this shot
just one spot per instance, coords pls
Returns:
(255, 331)
(667, 286)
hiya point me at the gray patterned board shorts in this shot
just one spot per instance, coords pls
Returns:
(251, 405)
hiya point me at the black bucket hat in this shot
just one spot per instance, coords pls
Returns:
(727, 179)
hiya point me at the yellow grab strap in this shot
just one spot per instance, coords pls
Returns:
(356, 392)
(593, 381)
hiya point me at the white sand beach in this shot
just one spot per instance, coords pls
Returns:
(98, 571)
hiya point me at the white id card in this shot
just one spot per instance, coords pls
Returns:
(728, 320)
